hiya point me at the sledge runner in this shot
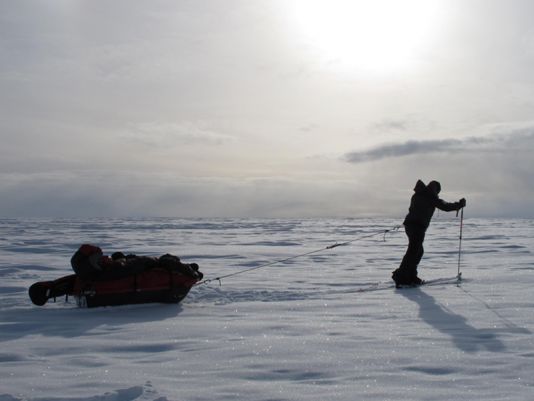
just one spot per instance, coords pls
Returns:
(423, 203)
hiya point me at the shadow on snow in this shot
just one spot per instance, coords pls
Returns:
(76, 322)
(464, 336)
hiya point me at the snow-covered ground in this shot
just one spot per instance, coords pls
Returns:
(301, 330)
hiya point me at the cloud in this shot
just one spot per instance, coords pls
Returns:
(402, 149)
(501, 142)
(392, 125)
(493, 170)
(99, 194)
(172, 134)
(495, 182)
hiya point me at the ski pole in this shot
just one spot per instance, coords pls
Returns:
(460, 242)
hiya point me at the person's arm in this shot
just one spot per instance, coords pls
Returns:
(449, 206)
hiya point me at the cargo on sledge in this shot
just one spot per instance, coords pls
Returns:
(121, 279)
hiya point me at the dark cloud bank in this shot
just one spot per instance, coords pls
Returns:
(503, 143)
(493, 172)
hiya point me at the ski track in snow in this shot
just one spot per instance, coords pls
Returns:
(311, 328)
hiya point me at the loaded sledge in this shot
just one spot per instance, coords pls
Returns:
(120, 279)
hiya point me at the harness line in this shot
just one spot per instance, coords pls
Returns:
(384, 232)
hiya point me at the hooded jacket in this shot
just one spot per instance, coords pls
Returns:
(424, 202)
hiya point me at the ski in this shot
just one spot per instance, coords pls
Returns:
(436, 281)
(382, 285)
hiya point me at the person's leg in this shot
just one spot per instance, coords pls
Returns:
(417, 237)
(407, 271)
(407, 255)
(417, 257)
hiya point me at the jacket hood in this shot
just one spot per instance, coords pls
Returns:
(432, 189)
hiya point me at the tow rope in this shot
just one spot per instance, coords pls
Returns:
(337, 244)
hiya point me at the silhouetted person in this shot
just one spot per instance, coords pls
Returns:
(424, 202)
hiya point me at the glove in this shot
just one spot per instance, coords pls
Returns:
(461, 203)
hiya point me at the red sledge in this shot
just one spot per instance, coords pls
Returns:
(120, 280)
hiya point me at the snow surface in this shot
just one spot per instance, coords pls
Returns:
(300, 330)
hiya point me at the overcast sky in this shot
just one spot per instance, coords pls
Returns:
(274, 108)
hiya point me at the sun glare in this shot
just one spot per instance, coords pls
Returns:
(367, 35)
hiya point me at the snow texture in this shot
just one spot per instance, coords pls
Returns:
(325, 326)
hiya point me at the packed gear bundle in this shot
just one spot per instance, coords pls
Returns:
(120, 279)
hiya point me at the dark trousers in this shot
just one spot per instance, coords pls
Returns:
(415, 251)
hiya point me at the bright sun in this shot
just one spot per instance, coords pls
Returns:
(367, 35)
